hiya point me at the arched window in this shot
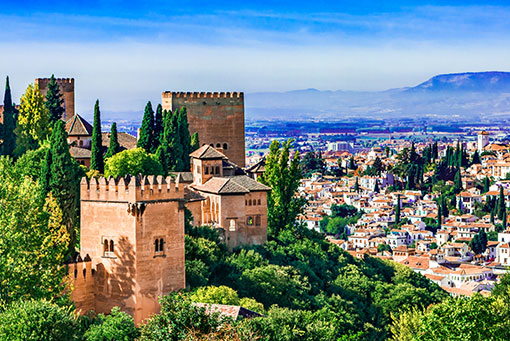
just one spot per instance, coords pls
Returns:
(218, 145)
(156, 246)
(225, 146)
(212, 145)
(206, 170)
(257, 220)
(161, 243)
(258, 203)
(217, 170)
(105, 247)
(249, 202)
(111, 245)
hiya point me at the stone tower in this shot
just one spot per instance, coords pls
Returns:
(483, 140)
(132, 234)
(66, 89)
(218, 117)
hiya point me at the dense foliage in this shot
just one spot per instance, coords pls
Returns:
(133, 162)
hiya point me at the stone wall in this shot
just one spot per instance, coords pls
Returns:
(218, 117)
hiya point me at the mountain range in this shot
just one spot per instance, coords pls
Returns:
(459, 96)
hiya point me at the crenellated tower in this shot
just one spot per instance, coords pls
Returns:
(66, 86)
(218, 117)
(132, 230)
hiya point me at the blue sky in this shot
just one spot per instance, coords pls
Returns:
(127, 52)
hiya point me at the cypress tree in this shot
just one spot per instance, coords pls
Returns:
(457, 181)
(352, 165)
(397, 211)
(356, 185)
(486, 184)
(176, 144)
(114, 146)
(64, 179)
(162, 157)
(439, 215)
(504, 221)
(46, 172)
(146, 138)
(54, 101)
(158, 128)
(376, 186)
(476, 158)
(195, 142)
(492, 217)
(185, 138)
(501, 203)
(9, 118)
(96, 154)
(446, 213)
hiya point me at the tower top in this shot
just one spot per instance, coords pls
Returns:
(483, 133)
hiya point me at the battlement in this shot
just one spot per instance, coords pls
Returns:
(131, 189)
(59, 80)
(79, 269)
(199, 95)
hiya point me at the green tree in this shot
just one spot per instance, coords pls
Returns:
(133, 162)
(184, 138)
(195, 143)
(162, 157)
(376, 187)
(9, 123)
(54, 101)
(158, 128)
(38, 320)
(116, 326)
(225, 295)
(63, 180)
(457, 182)
(96, 150)
(356, 185)
(501, 203)
(33, 239)
(32, 127)
(177, 318)
(397, 211)
(146, 138)
(114, 146)
(486, 184)
(283, 175)
(476, 158)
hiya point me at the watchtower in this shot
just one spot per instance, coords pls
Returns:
(66, 89)
(483, 140)
(132, 229)
(218, 117)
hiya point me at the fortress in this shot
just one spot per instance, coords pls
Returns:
(132, 240)
(218, 117)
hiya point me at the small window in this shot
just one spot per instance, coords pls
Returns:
(225, 146)
(249, 221)
(159, 244)
(206, 170)
(257, 220)
(217, 170)
(249, 202)
(108, 248)
(105, 247)
(218, 145)
(111, 246)
(258, 202)
(212, 145)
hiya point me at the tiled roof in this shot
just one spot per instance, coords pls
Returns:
(126, 141)
(77, 126)
(79, 153)
(232, 185)
(207, 152)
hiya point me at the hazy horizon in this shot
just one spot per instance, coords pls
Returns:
(125, 53)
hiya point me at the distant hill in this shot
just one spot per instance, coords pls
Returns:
(468, 81)
(461, 96)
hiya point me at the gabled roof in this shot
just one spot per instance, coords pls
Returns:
(126, 141)
(239, 184)
(77, 126)
(259, 167)
(207, 152)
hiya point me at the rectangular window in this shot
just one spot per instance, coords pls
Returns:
(257, 220)
(249, 221)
